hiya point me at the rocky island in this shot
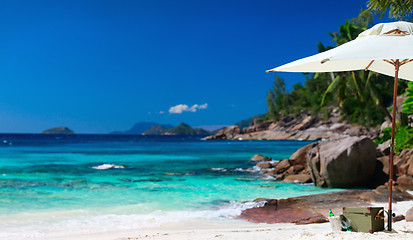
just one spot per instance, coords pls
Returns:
(152, 128)
(58, 130)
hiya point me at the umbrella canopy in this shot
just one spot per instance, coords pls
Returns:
(386, 48)
(385, 41)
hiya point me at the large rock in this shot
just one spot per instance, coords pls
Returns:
(260, 158)
(384, 148)
(282, 165)
(299, 157)
(404, 162)
(283, 211)
(305, 209)
(293, 169)
(384, 160)
(345, 163)
(405, 182)
(402, 168)
(265, 165)
(298, 178)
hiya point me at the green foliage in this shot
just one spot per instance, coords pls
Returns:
(408, 103)
(404, 134)
(361, 96)
(352, 28)
(403, 138)
(309, 96)
(386, 136)
(256, 118)
(276, 99)
(398, 9)
(358, 97)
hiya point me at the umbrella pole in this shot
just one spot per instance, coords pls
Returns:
(393, 126)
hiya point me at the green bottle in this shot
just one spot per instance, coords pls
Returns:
(331, 213)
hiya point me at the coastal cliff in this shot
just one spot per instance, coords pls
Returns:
(305, 126)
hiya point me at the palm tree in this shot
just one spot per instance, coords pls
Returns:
(398, 9)
(356, 91)
(346, 83)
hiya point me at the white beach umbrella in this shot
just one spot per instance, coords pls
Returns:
(386, 48)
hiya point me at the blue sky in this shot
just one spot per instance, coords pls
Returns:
(99, 66)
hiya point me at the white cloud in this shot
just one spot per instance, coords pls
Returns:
(161, 112)
(180, 108)
(203, 106)
(193, 108)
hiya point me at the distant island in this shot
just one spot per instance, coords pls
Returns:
(152, 128)
(58, 130)
(141, 127)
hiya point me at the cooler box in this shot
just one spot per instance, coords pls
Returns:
(365, 219)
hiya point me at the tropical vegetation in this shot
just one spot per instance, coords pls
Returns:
(398, 9)
(363, 97)
(404, 132)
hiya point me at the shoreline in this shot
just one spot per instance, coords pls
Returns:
(243, 230)
(205, 209)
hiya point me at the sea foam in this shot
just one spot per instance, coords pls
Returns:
(107, 166)
(65, 223)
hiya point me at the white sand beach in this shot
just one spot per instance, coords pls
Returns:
(240, 229)
(277, 231)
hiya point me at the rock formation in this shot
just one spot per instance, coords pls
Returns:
(403, 166)
(345, 163)
(258, 127)
(349, 162)
(259, 157)
(227, 133)
(314, 208)
(294, 169)
(302, 127)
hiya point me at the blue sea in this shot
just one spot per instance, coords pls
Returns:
(52, 185)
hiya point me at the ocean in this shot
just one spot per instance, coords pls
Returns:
(52, 185)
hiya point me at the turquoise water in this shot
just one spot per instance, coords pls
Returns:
(163, 178)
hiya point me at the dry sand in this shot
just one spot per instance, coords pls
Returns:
(200, 229)
(276, 231)
(243, 231)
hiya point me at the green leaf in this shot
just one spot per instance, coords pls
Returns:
(330, 88)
